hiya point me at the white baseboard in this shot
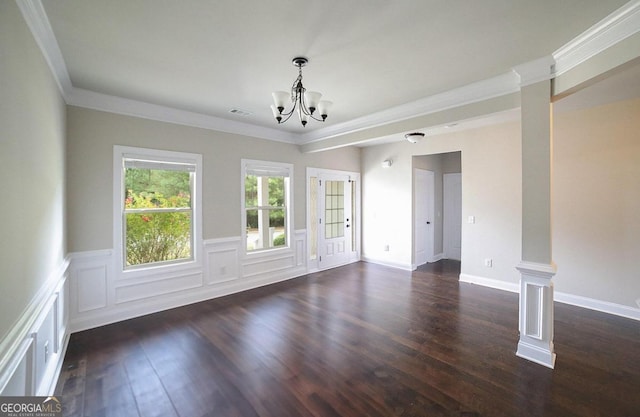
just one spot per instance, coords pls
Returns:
(383, 262)
(490, 282)
(437, 257)
(576, 300)
(597, 305)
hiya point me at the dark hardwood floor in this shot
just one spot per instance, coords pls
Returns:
(360, 340)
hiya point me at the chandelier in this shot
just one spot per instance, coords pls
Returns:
(307, 103)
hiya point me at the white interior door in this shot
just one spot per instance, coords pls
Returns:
(423, 217)
(336, 222)
(452, 227)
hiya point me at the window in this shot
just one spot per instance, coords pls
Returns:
(266, 204)
(157, 207)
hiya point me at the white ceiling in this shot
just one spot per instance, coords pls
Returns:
(366, 56)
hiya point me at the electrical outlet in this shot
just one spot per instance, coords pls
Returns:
(488, 262)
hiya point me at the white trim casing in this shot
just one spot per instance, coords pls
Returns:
(267, 168)
(119, 154)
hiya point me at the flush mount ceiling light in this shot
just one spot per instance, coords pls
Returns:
(414, 137)
(305, 102)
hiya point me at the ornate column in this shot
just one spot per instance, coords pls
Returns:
(536, 268)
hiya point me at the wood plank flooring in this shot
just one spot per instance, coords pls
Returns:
(359, 340)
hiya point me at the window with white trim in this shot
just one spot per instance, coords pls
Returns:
(266, 197)
(158, 214)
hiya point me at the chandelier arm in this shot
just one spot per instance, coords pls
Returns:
(315, 118)
(287, 116)
(289, 113)
(305, 109)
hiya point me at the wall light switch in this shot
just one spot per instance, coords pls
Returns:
(471, 219)
(488, 262)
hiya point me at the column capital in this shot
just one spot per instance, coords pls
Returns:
(535, 71)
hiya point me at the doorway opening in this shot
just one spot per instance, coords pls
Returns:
(437, 205)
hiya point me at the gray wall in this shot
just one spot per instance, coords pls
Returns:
(32, 163)
(92, 135)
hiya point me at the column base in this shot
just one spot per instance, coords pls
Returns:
(537, 354)
(536, 313)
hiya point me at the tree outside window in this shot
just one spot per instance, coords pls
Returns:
(158, 215)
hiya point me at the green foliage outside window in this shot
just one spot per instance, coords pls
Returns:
(153, 233)
(276, 199)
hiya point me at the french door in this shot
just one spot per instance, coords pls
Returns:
(333, 218)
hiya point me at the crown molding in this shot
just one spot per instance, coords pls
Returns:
(479, 91)
(614, 28)
(38, 22)
(36, 18)
(97, 101)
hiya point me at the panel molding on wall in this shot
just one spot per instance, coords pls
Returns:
(32, 353)
(98, 297)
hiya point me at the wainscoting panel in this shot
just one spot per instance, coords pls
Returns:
(101, 296)
(33, 352)
(91, 287)
(253, 267)
(222, 259)
(158, 287)
(301, 248)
